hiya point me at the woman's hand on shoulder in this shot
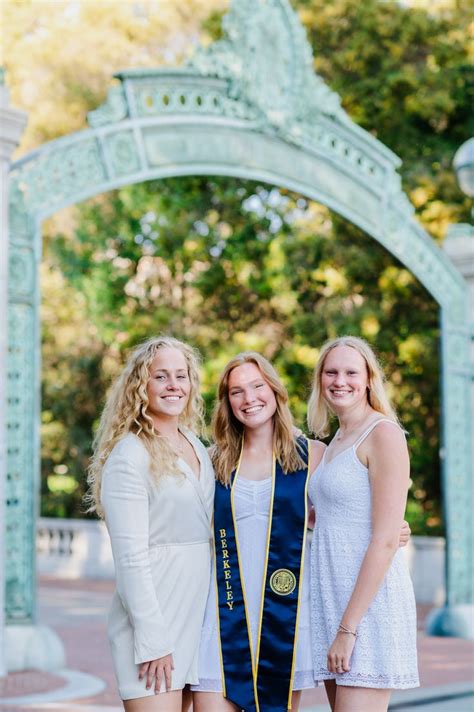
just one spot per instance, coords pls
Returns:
(405, 534)
(155, 670)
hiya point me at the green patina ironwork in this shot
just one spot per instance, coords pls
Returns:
(251, 106)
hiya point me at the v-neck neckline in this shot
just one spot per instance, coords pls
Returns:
(354, 445)
(341, 452)
(198, 476)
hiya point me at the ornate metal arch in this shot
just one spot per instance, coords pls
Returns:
(250, 106)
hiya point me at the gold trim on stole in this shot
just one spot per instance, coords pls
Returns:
(300, 587)
(249, 632)
(221, 659)
(267, 553)
(255, 662)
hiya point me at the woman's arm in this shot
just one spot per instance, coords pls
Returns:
(316, 453)
(124, 498)
(389, 471)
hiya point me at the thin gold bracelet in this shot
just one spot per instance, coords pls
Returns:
(343, 629)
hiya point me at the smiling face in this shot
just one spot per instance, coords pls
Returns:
(344, 379)
(168, 387)
(251, 398)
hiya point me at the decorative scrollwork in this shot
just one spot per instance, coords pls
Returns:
(267, 59)
(62, 170)
(123, 152)
(20, 492)
(114, 109)
(185, 92)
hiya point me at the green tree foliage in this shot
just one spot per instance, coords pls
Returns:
(229, 264)
(232, 265)
(405, 75)
(60, 55)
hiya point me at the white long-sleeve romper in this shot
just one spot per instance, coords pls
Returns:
(160, 535)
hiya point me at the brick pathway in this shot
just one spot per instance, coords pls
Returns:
(77, 610)
(18, 684)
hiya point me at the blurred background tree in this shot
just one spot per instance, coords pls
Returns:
(230, 264)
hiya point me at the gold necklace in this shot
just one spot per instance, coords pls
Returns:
(341, 436)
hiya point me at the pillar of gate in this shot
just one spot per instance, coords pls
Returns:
(23, 643)
(12, 124)
(456, 618)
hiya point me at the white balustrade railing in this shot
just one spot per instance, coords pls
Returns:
(73, 548)
(80, 548)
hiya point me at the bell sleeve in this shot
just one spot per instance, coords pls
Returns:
(125, 501)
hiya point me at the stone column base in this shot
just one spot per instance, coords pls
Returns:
(33, 647)
(456, 621)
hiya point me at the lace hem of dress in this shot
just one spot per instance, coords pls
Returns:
(382, 682)
(207, 685)
(304, 680)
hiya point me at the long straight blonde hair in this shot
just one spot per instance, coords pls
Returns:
(125, 412)
(319, 412)
(228, 432)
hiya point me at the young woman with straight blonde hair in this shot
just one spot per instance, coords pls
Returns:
(255, 647)
(362, 604)
(153, 482)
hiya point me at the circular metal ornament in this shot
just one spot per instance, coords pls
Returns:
(283, 582)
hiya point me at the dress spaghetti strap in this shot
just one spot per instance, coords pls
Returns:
(367, 432)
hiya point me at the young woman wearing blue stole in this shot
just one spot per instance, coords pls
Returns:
(152, 480)
(255, 652)
(362, 604)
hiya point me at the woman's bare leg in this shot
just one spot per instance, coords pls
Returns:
(330, 686)
(186, 704)
(349, 699)
(212, 702)
(295, 701)
(164, 702)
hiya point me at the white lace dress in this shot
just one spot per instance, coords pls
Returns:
(385, 650)
(252, 506)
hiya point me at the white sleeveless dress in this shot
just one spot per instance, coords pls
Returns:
(385, 650)
(252, 506)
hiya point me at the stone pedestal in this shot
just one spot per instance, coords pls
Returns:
(33, 647)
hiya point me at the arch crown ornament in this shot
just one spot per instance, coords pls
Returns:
(248, 105)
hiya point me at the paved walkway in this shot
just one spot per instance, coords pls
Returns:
(77, 611)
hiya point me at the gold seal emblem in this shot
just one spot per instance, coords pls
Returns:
(283, 582)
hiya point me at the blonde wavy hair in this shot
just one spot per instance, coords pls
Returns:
(125, 412)
(228, 431)
(319, 412)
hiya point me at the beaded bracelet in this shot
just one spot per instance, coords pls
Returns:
(343, 629)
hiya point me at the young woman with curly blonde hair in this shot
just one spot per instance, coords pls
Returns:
(153, 482)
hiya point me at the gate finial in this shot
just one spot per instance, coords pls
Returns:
(268, 59)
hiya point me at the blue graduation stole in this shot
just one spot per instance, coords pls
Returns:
(266, 683)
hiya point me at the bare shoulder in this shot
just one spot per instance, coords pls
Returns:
(387, 433)
(387, 437)
(316, 451)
